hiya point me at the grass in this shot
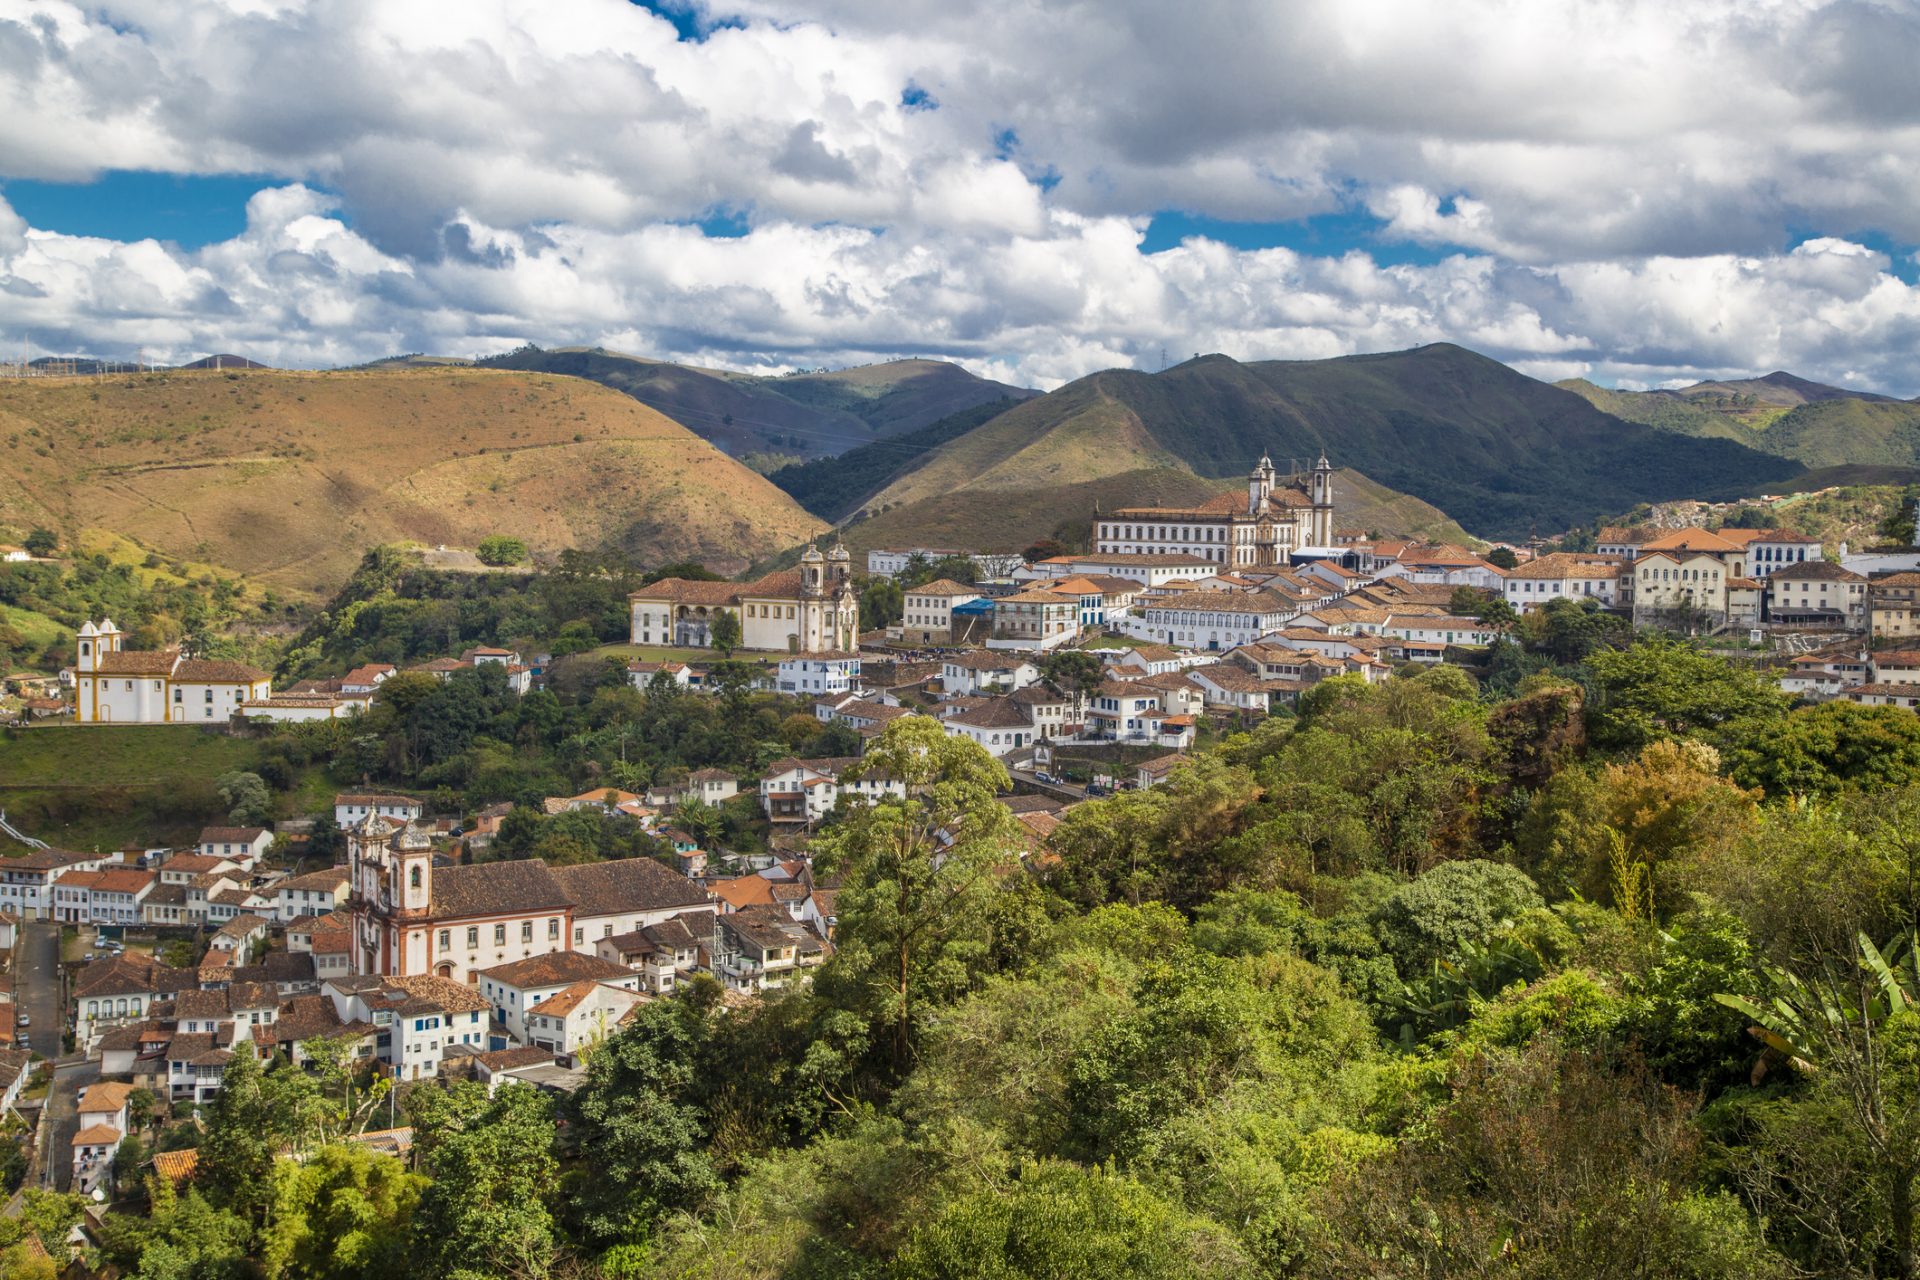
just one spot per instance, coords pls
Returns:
(665, 653)
(38, 629)
(286, 478)
(103, 786)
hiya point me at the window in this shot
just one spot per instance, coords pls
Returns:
(473, 937)
(526, 931)
(553, 930)
(413, 878)
(500, 935)
(446, 939)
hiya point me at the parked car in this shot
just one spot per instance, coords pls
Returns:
(24, 1020)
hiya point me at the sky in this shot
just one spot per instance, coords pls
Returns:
(1641, 193)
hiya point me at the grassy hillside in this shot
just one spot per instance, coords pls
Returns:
(104, 785)
(1011, 519)
(1809, 422)
(1664, 410)
(833, 488)
(1832, 433)
(1498, 451)
(288, 477)
(805, 415)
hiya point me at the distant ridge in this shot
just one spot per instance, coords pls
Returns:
(1501, 453)
(809, 415)
(225, 362)
(1781, 413)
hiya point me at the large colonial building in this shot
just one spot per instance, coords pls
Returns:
(812, 609)
(1275, 520)
(411, 918)
(117, 685)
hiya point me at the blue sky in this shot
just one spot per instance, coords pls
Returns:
(190, 211)
(769, 184)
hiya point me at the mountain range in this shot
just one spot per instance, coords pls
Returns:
(1500, 453)
(804, 415)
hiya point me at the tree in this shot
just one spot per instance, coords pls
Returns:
(725, 632)
(1044, 549)
(499, 550)
(637, 1132)
(1059, 1220)
(242, 1132)
(1453, 904)
(1664, 688)
(1073, 673)
(491, 1165)
(343, 1212)
(919, 876)
(42, 542)
(1854, 1024)
(249, 803)
(1503, 558)
(882, 603)
(1821, 750)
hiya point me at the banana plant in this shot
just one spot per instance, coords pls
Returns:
(1801, 1017)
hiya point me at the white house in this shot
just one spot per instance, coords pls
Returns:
(243, 846)
(351, 808)
(581, 1015)
(984, 671)
(316, 893)
(818, 673)
(1567, 575)
(1214, 621)
(26, 882)
(661, 953)
(926, 615)
(515, 989)
(1818, 593)
(416, 1018)
(999, 725)
(793, 790)
(103, 1123)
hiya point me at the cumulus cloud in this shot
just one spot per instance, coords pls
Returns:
(1607, 189)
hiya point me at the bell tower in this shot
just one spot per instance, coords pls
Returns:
(1322, 494)
(1260, 486)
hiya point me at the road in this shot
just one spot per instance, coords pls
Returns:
(63, 1119)
(1068, 791)
(36, 987)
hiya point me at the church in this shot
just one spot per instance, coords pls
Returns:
(811, 609)
(1275, 520)
(412, 918)
(117, 685)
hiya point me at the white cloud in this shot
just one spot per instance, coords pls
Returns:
(1627, 177)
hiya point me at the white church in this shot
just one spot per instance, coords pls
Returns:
(117, 685)
(1276, 519)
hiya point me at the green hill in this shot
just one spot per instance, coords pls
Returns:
(1834, 433)
(802, 415)
(1663, 409)
(1498, 451)
(1781, 414)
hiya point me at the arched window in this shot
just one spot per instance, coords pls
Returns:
(413, 878)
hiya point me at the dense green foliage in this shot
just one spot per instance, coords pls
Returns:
(155, 606)
(393, 610)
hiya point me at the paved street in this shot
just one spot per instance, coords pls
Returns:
(36, 985)
(64, 1121)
